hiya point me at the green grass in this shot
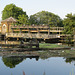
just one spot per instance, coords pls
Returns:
(47, 45)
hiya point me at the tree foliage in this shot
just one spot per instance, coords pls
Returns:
(23, 19)
(12, 10)
(69, 23)
(45, 17)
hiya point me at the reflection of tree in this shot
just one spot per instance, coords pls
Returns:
(12, 61)
(15, 60)
(69, 60)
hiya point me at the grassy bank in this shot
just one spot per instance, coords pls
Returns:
(48, 45)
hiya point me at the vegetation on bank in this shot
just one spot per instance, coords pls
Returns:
(69, 24)
(56, 53)
(48, 45)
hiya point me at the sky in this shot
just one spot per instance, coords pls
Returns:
(58, 7)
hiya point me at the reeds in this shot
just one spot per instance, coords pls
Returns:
(72, 73)
(23, 73)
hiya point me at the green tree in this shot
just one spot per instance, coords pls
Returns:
(55, 20)
(45, 17)
(12, 10)
(69, 23)
(23, 19)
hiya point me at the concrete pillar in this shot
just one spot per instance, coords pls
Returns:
(28, 30)
(49, 31)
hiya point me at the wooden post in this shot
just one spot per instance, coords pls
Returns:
(37, 44)
(12, 30)
(49, 31)
(30, 44)
(38, 30)
(20, 30)
(28, 30)
(17, 38)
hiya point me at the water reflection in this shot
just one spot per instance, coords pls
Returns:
(70, 60)
(12, 61)
(49, 66)
(9, 44)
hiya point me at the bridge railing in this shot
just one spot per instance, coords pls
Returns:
(30, 35)
(37, 28)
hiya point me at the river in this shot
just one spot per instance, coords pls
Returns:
(31, 66)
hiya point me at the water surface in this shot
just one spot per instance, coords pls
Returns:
(49, 66)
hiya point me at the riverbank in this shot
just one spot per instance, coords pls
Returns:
(42, 54)
(42, 46)
(44, 51)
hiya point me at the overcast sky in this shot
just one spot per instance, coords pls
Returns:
(58, 7)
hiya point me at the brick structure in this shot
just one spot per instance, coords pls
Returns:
(6, 25)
